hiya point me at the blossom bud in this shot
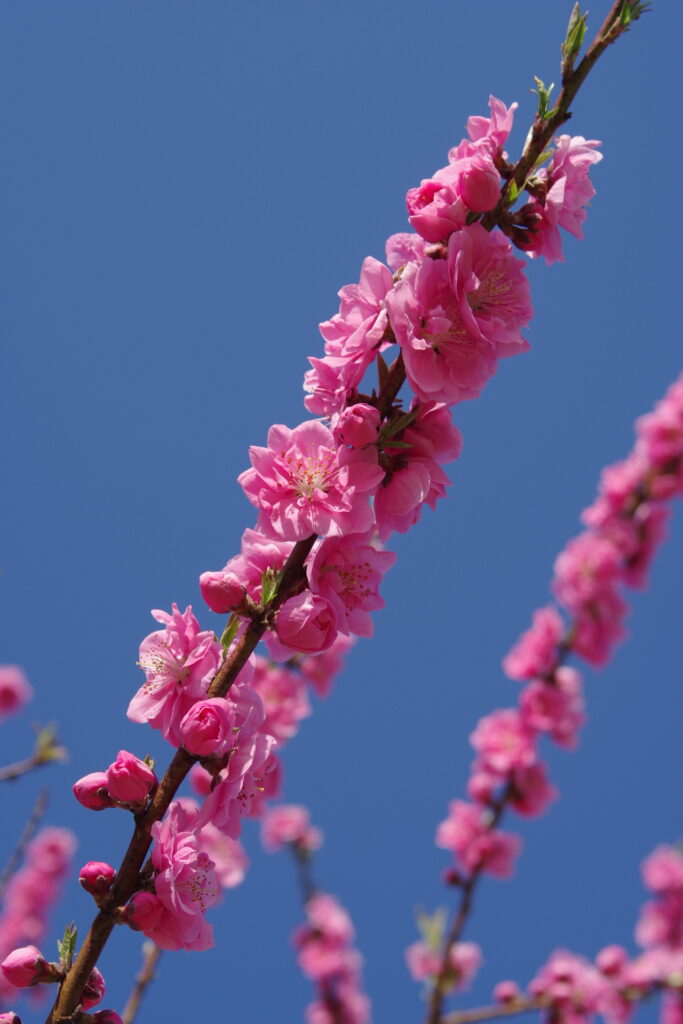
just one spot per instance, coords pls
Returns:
(221, 590)
(15, 690)
(611, 960)
(91, 791)
(207, 728)
(97, 878)
(358, 425)
(9, 1018)
(130, 780)
(480, 186)
(143, 912)
(506, 992)
(27, 966)
(94, 990)
(451, 877)
(105, 1017)
(307, 623)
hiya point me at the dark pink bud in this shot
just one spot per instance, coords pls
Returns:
(611, 960)
(506, 992)
(143, 912)
(9, 1018)
(130, 780)
(207, 728)
(96, 877)
(451, 877)
(27, 966)
(358, 425)
(94, 990)
(222, 591)
(480, 187)
(91, 791)
(105, 1017)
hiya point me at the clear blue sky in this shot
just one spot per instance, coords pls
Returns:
(185, 187)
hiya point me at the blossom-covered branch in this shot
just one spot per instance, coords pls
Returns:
(625, 526)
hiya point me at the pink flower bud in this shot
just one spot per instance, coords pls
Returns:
(91, 791)
(611, 960)
(207, 728)
(222, 591)
(27, 966)
(143, 912)
(358, 425)
(506, 992)
(307, 623)
(451, 877)
(15, 690)
(97, 878)
(94, 990)
(105, 1017)
(9, 1018)
(480, 186)
(130, 780)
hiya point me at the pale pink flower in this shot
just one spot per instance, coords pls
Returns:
(179, 663)
(289, 823)
(239, 783)
(574, 987)
(663, 870)
(244, 572)
(464, 961)
(532, 791)
(356, 330)
(303, 484)
(455, 318)
(347, 571)
(536, 652)
(492, 131)
(503, 741)
(507, 992)
(403, 248)
(15, 690)
(330, 384)
(423, 961)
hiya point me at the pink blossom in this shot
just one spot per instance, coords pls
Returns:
(423, 961)
(532, 792)
(535, 653)
(574, 987)
(663, 870)
(228, 855)
(130, 780)
(320, 670)
(15, 690)
(358, 425)
(9, 1018)
(289, 823)
(492, 131)
(568, 190)
(403, 248)
(330, 384)
(476, 846)
(503, 742)
(185, 884)
(347, 572)
(611, 961)
(284, 697)
(303, 484)
(455, 318)
(207, 728)
(356, 330)
(239, 783)
(307, 623)
(555, 708)
(259, 554)
(464, 961)
(179, 663)
(222, 590)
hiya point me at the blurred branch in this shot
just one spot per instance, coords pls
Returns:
(46, 750)
(151, 956)
(25, 838)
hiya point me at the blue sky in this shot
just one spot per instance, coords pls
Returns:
(186, 186)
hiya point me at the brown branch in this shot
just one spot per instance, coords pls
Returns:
(25, 838)
(151, 956)
(482, 1013)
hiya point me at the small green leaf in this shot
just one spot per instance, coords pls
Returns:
(576, 30)
(395, 426)
(66, 946)
(432, 927)
(229, 632)
(543, 92)
(270, 581)
(149, 761)
(513, 191)
(47, 747)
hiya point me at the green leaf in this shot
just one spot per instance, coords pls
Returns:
(395, 426)
(576, 30)
(149, 761)
(270, 581)
(543, 92)
(433, 927)
(47, 747)
(229, 632)
(67, 946)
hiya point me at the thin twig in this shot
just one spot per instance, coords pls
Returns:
(25, 838)
(151, 956)
(482, 1013)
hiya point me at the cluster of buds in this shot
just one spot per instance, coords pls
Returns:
(128, 782)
